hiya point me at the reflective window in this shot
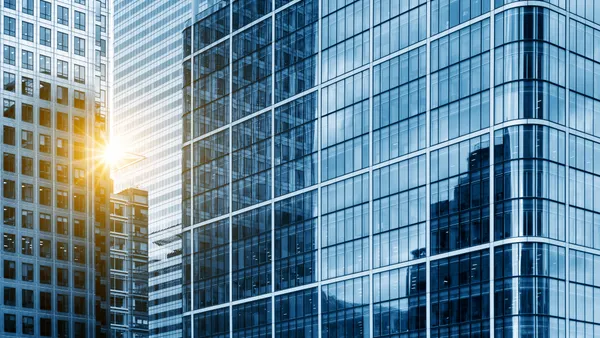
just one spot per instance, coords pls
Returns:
(295, 49)
(584, 79)
(296, 145)
(529, 182)
(252, 319)
(296, 241)
(529, 283)
(211, 86)
(214, 26)
(345, 126)
(529, 23)
(246, 11)
(397, 25)
(211, 176)
(251, 161)
(399, 212)
(345, 227)
(211, 264)
(251, 260)
(296, 314)
(460, 295)
(460, 191)
(584, 293)
(584, 225)
(460, 87)
(399, 103)
(345, 40)
(584, 8)
(446, 14)
(345, 308)
(212, 324)
(399, 302)
(251, 68)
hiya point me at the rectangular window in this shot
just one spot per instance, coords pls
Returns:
(103, 47)
(28, 326)
(45, 118)
(27, 113)
(27, 246)
(28, 7)
(10, 296)
(79, 74)
(10, 323)
(62, 69)
(27, 60)
(27, 192)
(26, 139)
(10, 4)
(45, 144)
(79, 125)
(45, 36)
(62, 249)
(45, 65)
(79, 46)
(9, 189)
(9, 162)
(62, 14)
(45, 196)
(9, 242)
(80, 20)
(45, 300)
(62, 147)
(27, 86)
(9, 135)
(9, 108)
(10, 269)
(27, 31)
(27, 217)
(27, 298)
(26, 166)
(45, 223)
(10, 26)
(62, 41)
(45, 10)
(62, 95)
(9, 215)
(9, 82)
(62, 121)
(79, 101)
(45, 91)
(9, 55)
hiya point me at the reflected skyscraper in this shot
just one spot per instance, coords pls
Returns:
(146, 122)
(400, 168)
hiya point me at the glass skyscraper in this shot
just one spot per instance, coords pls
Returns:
(381, 168)
(146, 122)
(54, 259)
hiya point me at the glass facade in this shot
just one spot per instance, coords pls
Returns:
(406, 168)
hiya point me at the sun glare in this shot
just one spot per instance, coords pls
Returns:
(113, 154)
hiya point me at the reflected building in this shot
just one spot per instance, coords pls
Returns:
(146, 122)
(391, 169)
